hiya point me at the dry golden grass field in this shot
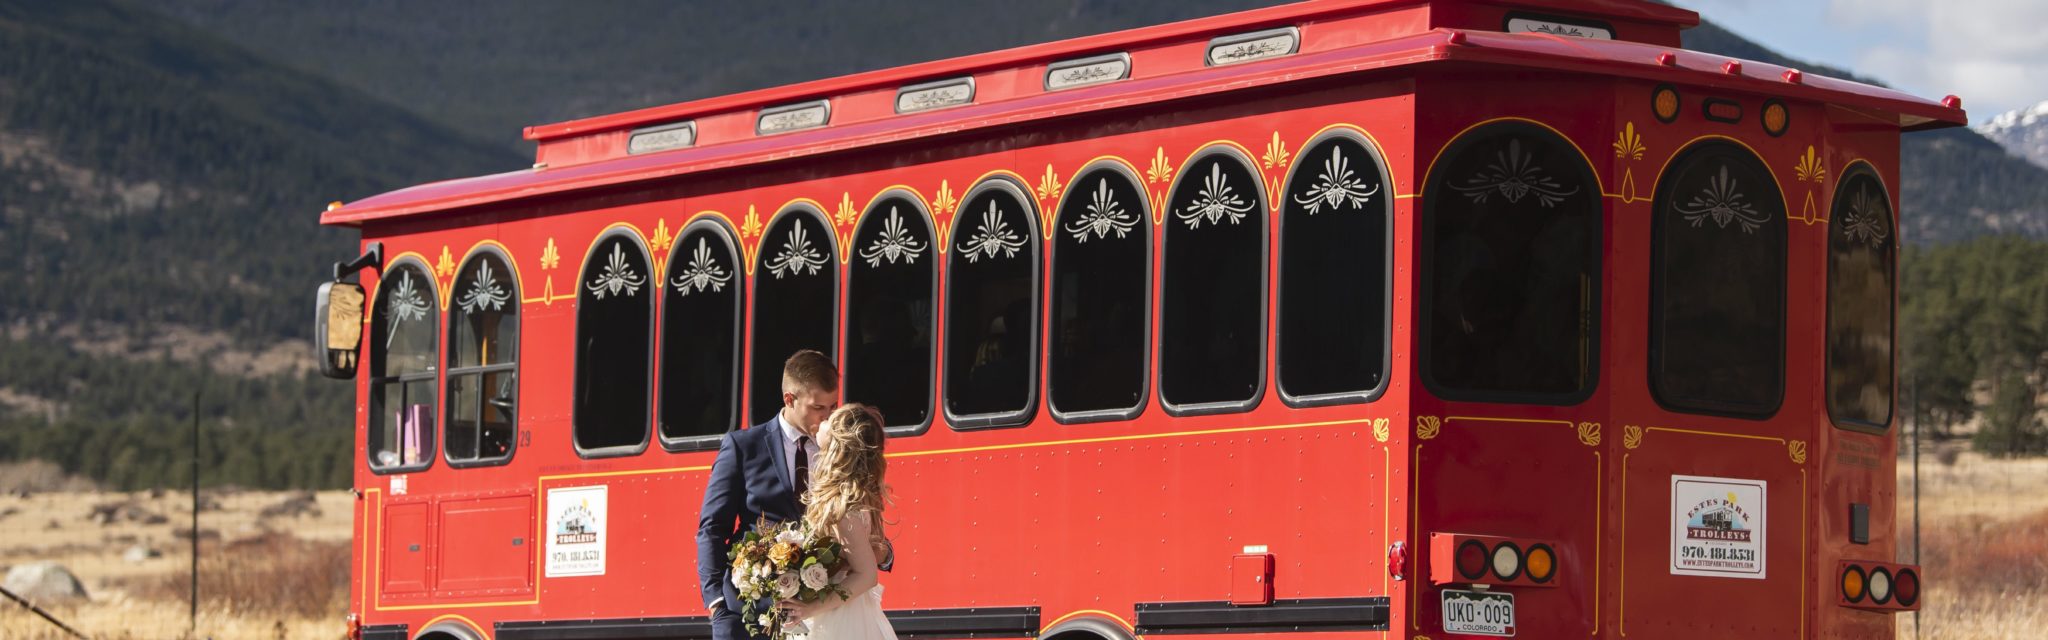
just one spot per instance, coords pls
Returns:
(1985, 551)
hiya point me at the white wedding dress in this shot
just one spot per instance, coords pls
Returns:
(859, 618)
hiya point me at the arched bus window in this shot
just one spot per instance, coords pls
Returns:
(1101, 299)
(889, 336)
(991, 308)
(404, 345)
(1862, 249)
(614, 347)
(1212, 304)
(1335, 263)
(1511, 235)
(1717, 284)
(483, 360)
(700, 338)
(796, 301)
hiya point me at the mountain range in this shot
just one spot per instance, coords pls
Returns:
(162, 166)
(2024, 132)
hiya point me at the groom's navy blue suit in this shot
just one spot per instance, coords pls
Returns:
(748, 481)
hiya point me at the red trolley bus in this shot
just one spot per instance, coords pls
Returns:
(1374, 318)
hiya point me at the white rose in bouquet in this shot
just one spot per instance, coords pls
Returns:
(815, 577)
(786, 585)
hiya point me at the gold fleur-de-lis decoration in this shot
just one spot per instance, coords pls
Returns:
(1631, 436)
(446, 266)
(1627, 144)
(1589, 434)
(1276, 153)
(1797, 449)
(1049, 185)
(752, 226)
(1380, 430)
(550, 257)
(1810, 167)
(661, 240)
(1160, 171)
(1426, 427)
(943, 203)
(845, 213)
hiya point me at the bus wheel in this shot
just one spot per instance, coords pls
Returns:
(1086, 628)
(448, 631)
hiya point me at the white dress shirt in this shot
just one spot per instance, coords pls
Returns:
(789, 440)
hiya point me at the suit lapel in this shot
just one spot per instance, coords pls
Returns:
(775, 454)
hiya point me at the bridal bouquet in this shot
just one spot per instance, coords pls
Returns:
(786, 562)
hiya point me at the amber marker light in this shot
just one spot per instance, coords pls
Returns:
(1776, 119)
(1852, 583)
(1541, 564)
(1664, 103)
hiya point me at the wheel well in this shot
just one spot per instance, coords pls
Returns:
(1086, 628)
(447, 631)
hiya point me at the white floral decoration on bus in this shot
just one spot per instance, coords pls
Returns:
(1514, 175)
(1722, 201)
(798, 256)
(1865, 221)
(701, 273)
(992, 237)
(617, 276)
(1214, 202)
(485, 293)
(895, 242)
(406, 305)
(1336, 187)
(1104, 215)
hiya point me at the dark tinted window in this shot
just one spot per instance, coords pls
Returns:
(1333, 272)
(700, 335)
(1213, 304)
(991, 310)
(404, 347)
(1101, 297)
(614, 345)
(483, 356)
(1861, 251)
(889, 312)
(1717, 284)
(796, 289)
(1511, 235)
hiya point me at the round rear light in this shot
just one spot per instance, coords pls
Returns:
(1852, 583)
(1664, 103)
(1542, 563)
(1906, 587)
(1472, 560)
(1507, 561)
(1880, 585)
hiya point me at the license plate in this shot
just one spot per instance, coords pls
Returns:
(1479, 613)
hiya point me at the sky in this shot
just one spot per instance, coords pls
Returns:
(1992, 53)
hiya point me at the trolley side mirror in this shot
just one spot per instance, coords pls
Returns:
(338, 325)
(338, 316)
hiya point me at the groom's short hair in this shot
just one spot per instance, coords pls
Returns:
(809, 369)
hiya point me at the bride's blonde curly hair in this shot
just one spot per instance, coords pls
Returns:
(848, 475)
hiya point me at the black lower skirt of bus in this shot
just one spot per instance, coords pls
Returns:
(385, 632)
(919, 624)
(1320, 614)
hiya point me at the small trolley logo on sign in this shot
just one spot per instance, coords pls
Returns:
(1717, 527)
(1479, 613)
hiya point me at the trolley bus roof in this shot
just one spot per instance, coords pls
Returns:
(592, 152)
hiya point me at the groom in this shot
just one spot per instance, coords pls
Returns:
(760, 472)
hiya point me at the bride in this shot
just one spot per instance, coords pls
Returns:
(847, 494)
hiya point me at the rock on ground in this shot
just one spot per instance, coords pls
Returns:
(42, 582)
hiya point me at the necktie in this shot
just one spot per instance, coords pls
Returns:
(802, 472)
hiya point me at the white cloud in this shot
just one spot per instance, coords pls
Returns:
(1991, 52)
